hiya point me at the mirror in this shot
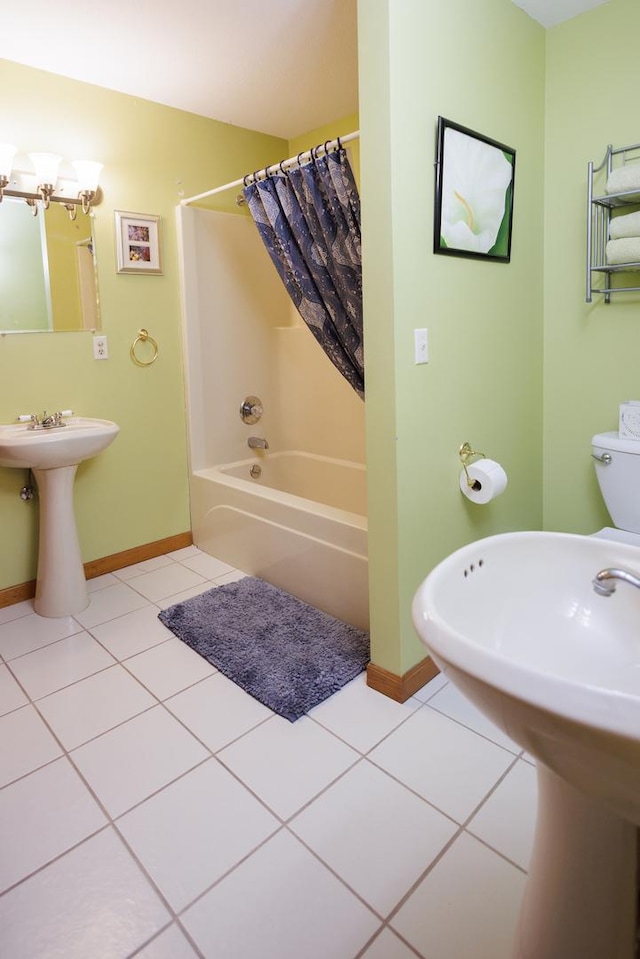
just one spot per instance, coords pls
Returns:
(48, 270)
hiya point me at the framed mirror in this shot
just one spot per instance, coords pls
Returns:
(48, 270)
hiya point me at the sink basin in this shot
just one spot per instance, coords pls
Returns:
(53, 455)
(514, 622)
(81, 438)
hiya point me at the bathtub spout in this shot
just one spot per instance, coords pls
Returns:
(257, 443)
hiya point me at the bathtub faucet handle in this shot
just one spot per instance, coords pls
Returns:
(251, 409)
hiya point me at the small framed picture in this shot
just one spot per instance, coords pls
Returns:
(474, 194)
(138, 243)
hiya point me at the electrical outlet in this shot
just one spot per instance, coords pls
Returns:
(421, 346)
(100, 351)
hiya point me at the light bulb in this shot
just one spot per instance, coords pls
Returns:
(7, 153)
(88, 173)
(46, 167)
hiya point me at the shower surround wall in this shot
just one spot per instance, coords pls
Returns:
(243, 337)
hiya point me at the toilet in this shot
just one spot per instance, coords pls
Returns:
(617, 464)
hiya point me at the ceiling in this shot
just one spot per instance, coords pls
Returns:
(281, 67)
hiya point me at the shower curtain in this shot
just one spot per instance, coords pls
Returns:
(309, 219)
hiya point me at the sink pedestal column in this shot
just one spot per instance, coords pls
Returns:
(580, 898)
(61, 587)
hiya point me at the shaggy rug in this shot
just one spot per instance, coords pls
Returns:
(286, 654)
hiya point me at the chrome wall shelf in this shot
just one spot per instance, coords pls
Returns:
(599, 207)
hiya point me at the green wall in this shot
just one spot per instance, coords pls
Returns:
(592, 351)
(481, 65)
(137, 491)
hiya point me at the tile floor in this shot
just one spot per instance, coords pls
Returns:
(150, 808)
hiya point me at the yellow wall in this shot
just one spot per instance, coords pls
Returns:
(481, 65)
(135, 492)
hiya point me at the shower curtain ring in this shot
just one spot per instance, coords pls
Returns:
(326, 147)
(339, 143)
(302, 154)
(282, 169)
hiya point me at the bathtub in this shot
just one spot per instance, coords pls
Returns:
(301, 525)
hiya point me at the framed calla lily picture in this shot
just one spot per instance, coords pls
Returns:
(474, 194)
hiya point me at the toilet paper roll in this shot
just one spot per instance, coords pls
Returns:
(489, 480)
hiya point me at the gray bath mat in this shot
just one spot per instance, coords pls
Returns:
(288, 655)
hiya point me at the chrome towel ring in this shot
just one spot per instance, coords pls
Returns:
(143, 337)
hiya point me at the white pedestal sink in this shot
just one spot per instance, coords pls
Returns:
(53, 455)
(514, 622)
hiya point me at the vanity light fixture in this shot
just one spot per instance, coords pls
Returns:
(46, 185)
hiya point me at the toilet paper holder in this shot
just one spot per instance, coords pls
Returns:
(466, 453)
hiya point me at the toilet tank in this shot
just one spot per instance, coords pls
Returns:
(619, 478)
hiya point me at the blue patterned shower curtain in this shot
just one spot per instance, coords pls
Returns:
(309, 220)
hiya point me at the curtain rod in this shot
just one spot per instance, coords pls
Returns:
(306, 154)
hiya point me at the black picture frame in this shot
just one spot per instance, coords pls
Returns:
(474, 189)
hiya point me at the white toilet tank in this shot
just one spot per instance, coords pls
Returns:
(617, 463)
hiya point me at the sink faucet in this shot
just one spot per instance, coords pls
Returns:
(257, 443)
(604, 583)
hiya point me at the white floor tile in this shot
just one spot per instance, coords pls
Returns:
(99, 582)
(129, 763)
(132, 633)
(191, 833)
(508, 818)
(287, 764)
(374, 833)
(23, 635)
(388, 946)
(280, 904)
(449, 765)
(16, 610)
(60, 664)
(169, 668)
(25, 744)
(41, 816)
(425, 693)
(209, 830)
(107, 603)
(146, 566)
(94, 705)
(170, 944)
(361, 715)
(217, 711)
(184, 553)
(207, 566)
(232, 577)
(166, 601)
(454, 704)
(466, 907)
(11, 696)
(94, 901)
(166, 581)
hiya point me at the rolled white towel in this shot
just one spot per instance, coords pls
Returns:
(624, 179)
(626, 250)
(624, 226)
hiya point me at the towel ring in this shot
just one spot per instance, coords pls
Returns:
(143, 337)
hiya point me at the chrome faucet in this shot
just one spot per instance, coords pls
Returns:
(257, 443)
(46, 422)
(604, 583)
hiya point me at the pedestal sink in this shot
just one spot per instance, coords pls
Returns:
(514, 622)
(53, 454)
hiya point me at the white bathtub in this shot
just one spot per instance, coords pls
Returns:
(301, 526)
